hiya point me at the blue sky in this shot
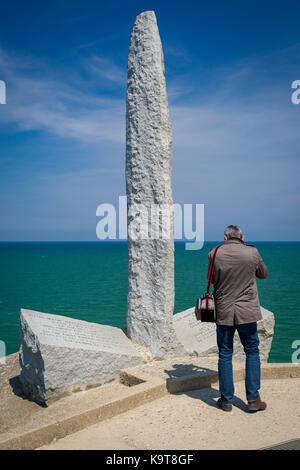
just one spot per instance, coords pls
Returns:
(229, 69)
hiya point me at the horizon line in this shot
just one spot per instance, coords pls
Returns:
(126, 241)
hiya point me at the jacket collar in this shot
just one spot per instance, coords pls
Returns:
(233, 240)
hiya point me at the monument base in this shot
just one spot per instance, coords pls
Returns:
(59, 355)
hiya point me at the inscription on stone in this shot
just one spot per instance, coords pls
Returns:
(196, 336)
(200, 338)
(57, 352)
(200, 330)
(59, 330)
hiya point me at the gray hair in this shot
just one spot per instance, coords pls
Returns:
(233, 231)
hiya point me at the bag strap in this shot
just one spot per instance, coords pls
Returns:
(211, 271)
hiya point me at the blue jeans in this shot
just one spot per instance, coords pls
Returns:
(249, 339)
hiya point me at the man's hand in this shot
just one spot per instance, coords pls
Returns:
(261, 269)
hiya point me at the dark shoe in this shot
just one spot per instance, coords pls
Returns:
(257, 405)
(224, 406)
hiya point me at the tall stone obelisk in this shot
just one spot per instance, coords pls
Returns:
(150, 300)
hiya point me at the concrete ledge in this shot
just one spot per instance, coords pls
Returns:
(137, 386)
(268, 371)
(86, 409)
(192, 382)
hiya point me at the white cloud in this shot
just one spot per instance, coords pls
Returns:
(39, 100)
(106, 69)
(235, 144)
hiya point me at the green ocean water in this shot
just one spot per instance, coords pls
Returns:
(88, 281)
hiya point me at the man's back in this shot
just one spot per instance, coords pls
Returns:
(235, 288)
(237, 307)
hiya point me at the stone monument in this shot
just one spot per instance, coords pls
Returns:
(150, 300)
(59, 355)
(200, 338)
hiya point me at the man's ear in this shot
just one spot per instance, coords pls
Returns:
(243, 238)
(225, 237)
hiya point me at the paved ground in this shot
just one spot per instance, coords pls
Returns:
(191, 420)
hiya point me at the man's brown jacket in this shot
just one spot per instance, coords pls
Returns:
(235, 289)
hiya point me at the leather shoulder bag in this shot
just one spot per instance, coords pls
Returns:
(205, 306)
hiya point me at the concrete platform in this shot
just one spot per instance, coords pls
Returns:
(191, 421)
(26, 425)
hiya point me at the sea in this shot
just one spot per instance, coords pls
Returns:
(88, 281)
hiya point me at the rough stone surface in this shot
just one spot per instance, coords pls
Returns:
(59, 354)
(200, 338)
(150, 301)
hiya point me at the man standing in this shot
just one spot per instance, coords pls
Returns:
(237, 308)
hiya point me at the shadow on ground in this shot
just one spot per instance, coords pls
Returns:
(205, 392)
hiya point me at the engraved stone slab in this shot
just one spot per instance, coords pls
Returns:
(200, 338)
(57, 352)
(197, 337)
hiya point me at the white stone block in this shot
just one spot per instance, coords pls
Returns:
(57, 352)
(200, 338)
